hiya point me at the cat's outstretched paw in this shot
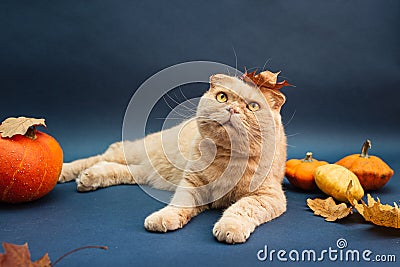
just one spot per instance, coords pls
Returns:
(67, 173)
(164, 220)
(231, 230)
(87, 181)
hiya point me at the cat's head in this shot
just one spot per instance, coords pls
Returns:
(239, 115)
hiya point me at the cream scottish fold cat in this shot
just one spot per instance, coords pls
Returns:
(231, 155)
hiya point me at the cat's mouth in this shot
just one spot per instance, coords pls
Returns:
(231, 121)
(228, 122)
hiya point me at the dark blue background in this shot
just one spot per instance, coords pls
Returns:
(77, 63)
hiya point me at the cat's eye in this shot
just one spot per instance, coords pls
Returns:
(222, 97)
(253, 106)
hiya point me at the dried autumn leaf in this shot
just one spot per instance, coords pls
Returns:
(380, 214)
(20, 125)
(266, 79)
(375, 212)
(328, 209)
(19, 256)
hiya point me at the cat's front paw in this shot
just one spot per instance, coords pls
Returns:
(167, 219)
(88, 181)
(231, 230)
(67, 173)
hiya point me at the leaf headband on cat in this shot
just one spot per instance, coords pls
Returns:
(265, 79)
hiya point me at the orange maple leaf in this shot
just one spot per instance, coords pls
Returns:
(19, 256)
(266, 79)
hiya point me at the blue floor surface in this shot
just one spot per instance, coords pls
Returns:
(66, 219)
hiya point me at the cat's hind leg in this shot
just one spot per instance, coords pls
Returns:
(104, 174)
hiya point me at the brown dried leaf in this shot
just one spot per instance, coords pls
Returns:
(328, 209)
(266, 79)
(19, 256)
(380, 214)
(20, 125)
(375, 212)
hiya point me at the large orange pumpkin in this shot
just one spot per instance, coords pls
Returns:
(372, 171)
(30, 165)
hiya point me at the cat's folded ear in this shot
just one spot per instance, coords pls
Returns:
(275, 98)
(218, 80)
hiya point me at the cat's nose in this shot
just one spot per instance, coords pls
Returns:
(233, 110)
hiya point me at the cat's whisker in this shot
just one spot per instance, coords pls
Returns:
(173, 100)
(173, 109)
(187, 99)
(291, 146)
(182, 104)
(265, 64)
(291, 135)
(291, 118)
(166, 102)
(176, 109)
(227, 70)
(236, 61)
(179, 104)
(171, 118)
(192, 109)
(183, 115)
(252, 68)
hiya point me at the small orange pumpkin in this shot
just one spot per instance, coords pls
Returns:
(372, 171)
(300, 172)
(30, 161)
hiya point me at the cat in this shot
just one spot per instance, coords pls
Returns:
(230, 156)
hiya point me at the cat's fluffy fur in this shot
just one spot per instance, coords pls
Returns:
(227, 157)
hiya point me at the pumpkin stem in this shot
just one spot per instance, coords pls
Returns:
(31, 133)
(364, 150)
(308, 157)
